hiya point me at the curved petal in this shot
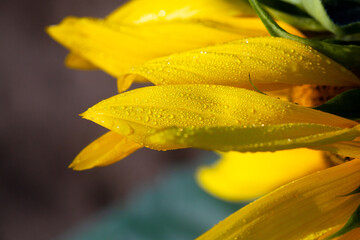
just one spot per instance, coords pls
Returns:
(107, 149)
(252, 138)
(116, 48)
(75, 61)
(349, 149)
(139, 112)
(140, 11)
(243, 176)
(304, 209)
(272, 63)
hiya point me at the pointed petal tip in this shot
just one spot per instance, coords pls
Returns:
(47, 28)
(84, 114)
(72, 165)
(75, 167)
(124, 83)
(51, 30)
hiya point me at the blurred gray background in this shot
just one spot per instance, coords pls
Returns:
(41, 131)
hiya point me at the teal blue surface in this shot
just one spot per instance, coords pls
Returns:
(176, 208)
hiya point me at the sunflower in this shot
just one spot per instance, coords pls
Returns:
(210, 62)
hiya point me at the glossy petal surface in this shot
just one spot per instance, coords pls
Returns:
(272, 63)
(140, 112)
(304, 209)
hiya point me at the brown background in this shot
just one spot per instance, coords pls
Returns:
(41, 132)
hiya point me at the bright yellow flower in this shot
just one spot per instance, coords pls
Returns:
(200, 55)
(129, 38)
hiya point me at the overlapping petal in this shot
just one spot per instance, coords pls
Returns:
(138, 113)
(349, 149)
(272, 63)
(75, 61)
(304, 209)
(243, 176)
(254, 138)
(142, 11)
(107, 149)
(116, 48)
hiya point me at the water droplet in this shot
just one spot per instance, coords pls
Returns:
(124, 129)
(162, 13)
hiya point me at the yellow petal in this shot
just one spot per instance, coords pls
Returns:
(140, 11)
(252, 138)
(75, 61)
(272, 63)
(304, 209)
(139, 112)
(348, 149)
(107, 149)
(243, 176)
(117, 48)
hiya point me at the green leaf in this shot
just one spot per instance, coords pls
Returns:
(305, 23)
(292, 13)
(352, 223)
(343, 12)
(288, 7)
(352, 28)
(339, 17)
(347, 55)
(316, 9)
(346, 104)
